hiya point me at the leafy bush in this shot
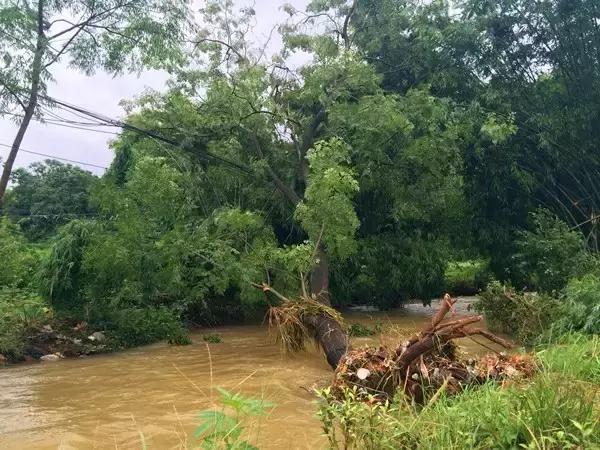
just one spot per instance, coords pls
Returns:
(552, 253)
(526, 316)
(581, 308)
(180, 337)
(131, 327)
(466, 277)
(61, 273)
(19, 260)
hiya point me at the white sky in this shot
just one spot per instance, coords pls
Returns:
(102, 93)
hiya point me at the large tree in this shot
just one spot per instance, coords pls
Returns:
(113, 35)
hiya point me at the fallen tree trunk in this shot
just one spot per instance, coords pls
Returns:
(424, 364)
(309, 317)
(330, 335)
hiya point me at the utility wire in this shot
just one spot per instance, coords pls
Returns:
(86, 126)
(57, 157)
(126, 126)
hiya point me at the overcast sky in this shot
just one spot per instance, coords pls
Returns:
(102, 93)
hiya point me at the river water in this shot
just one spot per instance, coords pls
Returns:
(151, 396)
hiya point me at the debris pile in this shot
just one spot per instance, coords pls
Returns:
(429, 362)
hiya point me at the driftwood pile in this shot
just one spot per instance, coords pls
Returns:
(428, 362)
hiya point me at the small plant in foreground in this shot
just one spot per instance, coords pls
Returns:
(225, 429)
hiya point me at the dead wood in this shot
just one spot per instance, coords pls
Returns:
(428, 360)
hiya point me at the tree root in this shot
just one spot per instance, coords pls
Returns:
(428, 362)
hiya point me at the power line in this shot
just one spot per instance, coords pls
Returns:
(126, 126)
(56, 157)
(68, 123)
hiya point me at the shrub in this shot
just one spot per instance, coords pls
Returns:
(19, 260)
(130, 327)
(581, 309)
(61, 272)
(552, 253)
(180, 337)
(526, 316)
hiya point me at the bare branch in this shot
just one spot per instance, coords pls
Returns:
(344, 32)
(63, 49)
(93, 18)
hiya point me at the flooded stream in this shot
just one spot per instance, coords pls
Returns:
(153, 394)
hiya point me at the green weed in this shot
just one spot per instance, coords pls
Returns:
(226, 428)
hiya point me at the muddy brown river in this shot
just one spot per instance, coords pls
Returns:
(149, 397)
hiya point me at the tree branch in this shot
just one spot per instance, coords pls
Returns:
(14, 94)
(288, 192)
(224, 44)
(95, 17)
(344, 32)
(63, 49)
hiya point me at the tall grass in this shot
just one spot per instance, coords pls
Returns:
(574, 355)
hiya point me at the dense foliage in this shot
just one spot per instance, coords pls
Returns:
(416, 138)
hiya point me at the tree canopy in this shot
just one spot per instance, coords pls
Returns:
(414, 134)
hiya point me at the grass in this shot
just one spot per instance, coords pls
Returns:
(557, 409)
(574, 355)
(20, 309)
(466, 277)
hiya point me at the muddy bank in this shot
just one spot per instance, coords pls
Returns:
(60, 339)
